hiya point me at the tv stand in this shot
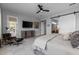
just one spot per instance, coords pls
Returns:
(28, 33)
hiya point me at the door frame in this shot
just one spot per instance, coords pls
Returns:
(16, 21)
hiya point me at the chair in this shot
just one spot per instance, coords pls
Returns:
(8, 39)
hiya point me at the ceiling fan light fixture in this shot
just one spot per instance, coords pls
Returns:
(41, 11)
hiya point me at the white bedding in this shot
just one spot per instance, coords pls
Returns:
(58, 46)
(41, 41)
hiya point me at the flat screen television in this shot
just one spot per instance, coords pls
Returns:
(27, 24)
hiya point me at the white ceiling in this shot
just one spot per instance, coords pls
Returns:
(30, 9)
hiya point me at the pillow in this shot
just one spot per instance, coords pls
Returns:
(67, 36)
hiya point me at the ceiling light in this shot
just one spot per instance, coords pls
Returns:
(53, 23)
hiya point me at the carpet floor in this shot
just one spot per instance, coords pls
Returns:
(22, 49)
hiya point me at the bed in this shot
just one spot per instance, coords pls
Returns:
(53, 44)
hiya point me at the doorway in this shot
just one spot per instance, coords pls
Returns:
(54, 28)
(12, 21)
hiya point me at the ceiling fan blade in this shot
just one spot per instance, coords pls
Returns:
(40, 7)
(38, 11)
(46, 10)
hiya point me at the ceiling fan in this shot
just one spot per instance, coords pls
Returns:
(41, 9)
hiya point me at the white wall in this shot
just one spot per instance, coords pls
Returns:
(42, 28)
(48, 26)
(67, 23)
(0, 24)
(77, 21)
(74, 22)
(20, 17)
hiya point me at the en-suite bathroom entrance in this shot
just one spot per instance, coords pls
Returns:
(12, 21)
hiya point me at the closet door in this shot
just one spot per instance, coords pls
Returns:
(0, 24)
